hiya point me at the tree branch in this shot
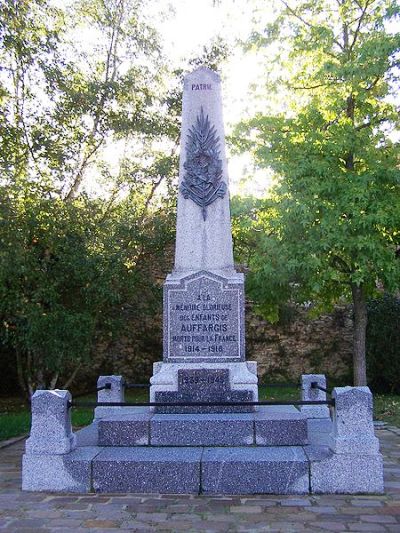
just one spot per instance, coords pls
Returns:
(110, 66)
(72, 376)
(305, 22)
(373, 83)
(340, 264)
(371, 123)
(310, 87)
(357, 30)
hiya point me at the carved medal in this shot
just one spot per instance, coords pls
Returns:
(202, 180)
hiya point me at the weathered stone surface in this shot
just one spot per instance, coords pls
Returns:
(344, 474)
(51, 431)
(203, 243)
(202, 430)
(272, 470)
(59, 473)
(204, 318)
(116, 394)
(319, 431)
(280, 427)
(310, 394)
(353, 428)
(148, 470)
(187, 382)
(300, 344)
(125, 430)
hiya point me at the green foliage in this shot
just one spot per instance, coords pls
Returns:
(70, 262)
(383, 344)
(66, 272)
(331, 225)
(63, 98)
(14, 424)
(387, 408)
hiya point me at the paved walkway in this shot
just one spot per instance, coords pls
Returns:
(44, 512)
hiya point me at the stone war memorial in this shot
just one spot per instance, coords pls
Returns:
(204, 431)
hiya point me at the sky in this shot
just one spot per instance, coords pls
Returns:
(193, 24)
(185, 27)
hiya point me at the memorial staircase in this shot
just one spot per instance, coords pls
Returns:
(275, 449)
(266, 451)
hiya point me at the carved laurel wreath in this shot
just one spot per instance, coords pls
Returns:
(202, 181)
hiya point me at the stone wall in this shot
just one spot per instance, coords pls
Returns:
(284, 351)
(301, 345)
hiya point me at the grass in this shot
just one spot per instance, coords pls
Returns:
(387, 408)
(15, 415)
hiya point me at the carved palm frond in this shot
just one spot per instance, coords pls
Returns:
(202, 181)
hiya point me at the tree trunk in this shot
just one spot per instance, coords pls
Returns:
(20, 374)
(72, 377)
(360, 329)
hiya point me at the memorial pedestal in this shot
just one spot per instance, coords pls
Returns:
(203, 336)
(204, 345)
(204, 382)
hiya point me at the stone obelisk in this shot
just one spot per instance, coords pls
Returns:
(203, 342)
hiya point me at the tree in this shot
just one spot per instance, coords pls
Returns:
(63, 98)
(67, 273)
(331, 224)
(69, 262)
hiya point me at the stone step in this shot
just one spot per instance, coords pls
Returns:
(269, 426)
(194, 470)
(147, 470)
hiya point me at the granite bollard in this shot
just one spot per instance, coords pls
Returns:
(311, 394)
(353, 428)
(51, 430)
(351, 463)
(51, 461)
(319, 423)
(115, 394)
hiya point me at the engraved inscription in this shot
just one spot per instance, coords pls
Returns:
(200, 378)
(204, 320)
(201, 86)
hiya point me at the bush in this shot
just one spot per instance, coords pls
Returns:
(383, 344)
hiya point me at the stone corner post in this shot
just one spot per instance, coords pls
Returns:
(353, 428)
(352, 463)
(310, 394)
(114, 394)
(51, 430)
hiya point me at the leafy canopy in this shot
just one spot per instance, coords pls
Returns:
(333, 220)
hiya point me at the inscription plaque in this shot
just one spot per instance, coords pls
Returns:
(204, 319)
(204, 385)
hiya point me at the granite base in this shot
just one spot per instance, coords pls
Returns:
(59, 473)
(282, 470)
(148, 470)
(268, 426)
(332, 473)
(204, 382)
